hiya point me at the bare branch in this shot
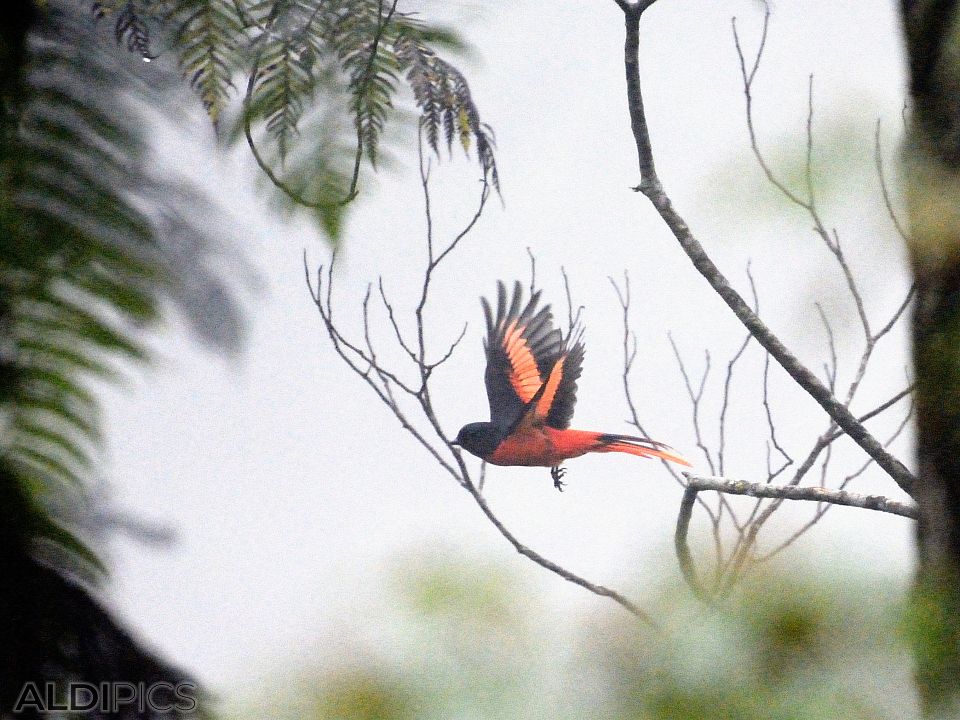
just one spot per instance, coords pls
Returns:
(652, 189)
(699, 483)
(695, 397)
(808, 169)
(365, 363)
(682, 547)
(449, 353)
(649, 182)
(831, 367)
(726, 399)
(877, 410)
(897, 315)
(533, 271)
(823, 508)
(878, 160)
(851, 285)
(787, 460)
(748, 77)
(629, 355)
(572, 318)
(557, 569)
(391, 316)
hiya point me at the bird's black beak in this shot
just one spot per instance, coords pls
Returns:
(455, 443)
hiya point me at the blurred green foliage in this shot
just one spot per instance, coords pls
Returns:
(99, 241)
(842, 163)
(785, 647)
(96, 243)
(467, 640)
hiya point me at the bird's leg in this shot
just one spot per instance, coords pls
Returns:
(556, 473)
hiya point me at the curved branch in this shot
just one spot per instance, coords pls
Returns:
(698, 483)
(261, 161)
(366, 364)
(690, 496)
(651, 187)
(553, 567)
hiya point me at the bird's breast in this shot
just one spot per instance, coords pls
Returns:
(526, 446)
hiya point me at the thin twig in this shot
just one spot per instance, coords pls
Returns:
(787, 460)
(831, 367)
(540, 560)
(695, 397)
(877, 410)
(629, 355)
(748, 77)
(572, 318)
(651, 187)
(884, 190)
(533, 271)
(365, 363)
(726, 400)
(823, 508)
(898, 313)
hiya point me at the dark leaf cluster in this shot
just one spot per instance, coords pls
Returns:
(96, 243)
(309, 60)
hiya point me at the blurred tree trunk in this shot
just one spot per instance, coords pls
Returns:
(932, 164)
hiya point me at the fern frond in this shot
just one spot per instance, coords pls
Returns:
(361, 41)
(446, 104)
(85, 261)
(210, 35)
(320, 172)
(83, 256)
(132, 20)
(290, 50)
(132, 30)
(372, 83)
(284, 79)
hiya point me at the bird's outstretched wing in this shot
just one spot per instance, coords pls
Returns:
(555, 404)
(522, 348)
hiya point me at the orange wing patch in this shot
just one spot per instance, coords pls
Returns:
(550, 391)
(524, 375)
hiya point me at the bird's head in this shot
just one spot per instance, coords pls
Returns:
(479, 438)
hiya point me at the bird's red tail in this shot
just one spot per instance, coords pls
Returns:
(642, 447)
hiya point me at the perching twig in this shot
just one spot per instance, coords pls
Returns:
(399, 395)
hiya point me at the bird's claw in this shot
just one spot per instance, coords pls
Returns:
(557, 473)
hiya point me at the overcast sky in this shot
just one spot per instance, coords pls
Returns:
(294, 492)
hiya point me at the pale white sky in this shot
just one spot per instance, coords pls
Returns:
(294, 491)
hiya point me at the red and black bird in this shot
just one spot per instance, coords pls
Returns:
(531, 381)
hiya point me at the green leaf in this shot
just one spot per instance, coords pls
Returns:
(209, 38)
(36, 432)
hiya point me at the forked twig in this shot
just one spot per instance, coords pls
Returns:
(422, 422)
(652, 188)
(842, 420)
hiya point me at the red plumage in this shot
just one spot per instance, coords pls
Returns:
(531, 381)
